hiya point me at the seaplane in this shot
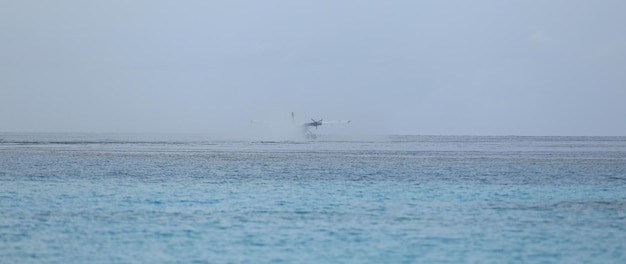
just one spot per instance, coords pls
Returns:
(304, 128)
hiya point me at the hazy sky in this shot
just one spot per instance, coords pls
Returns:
(394, 67)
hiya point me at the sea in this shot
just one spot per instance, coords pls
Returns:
(190, 198)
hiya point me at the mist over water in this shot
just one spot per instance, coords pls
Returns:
(276, 128)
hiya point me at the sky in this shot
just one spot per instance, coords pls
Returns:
(554, 67)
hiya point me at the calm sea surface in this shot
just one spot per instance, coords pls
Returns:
(113, 198)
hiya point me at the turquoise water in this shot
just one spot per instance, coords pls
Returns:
(76, 198)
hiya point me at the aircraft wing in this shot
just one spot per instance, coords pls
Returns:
(331, 122)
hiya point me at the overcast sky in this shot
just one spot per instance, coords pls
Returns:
(392, 67)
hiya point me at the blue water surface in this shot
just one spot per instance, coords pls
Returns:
(113, 198)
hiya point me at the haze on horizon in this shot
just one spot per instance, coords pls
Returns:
(392, 67)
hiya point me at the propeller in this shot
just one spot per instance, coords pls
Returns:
(316, 123)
